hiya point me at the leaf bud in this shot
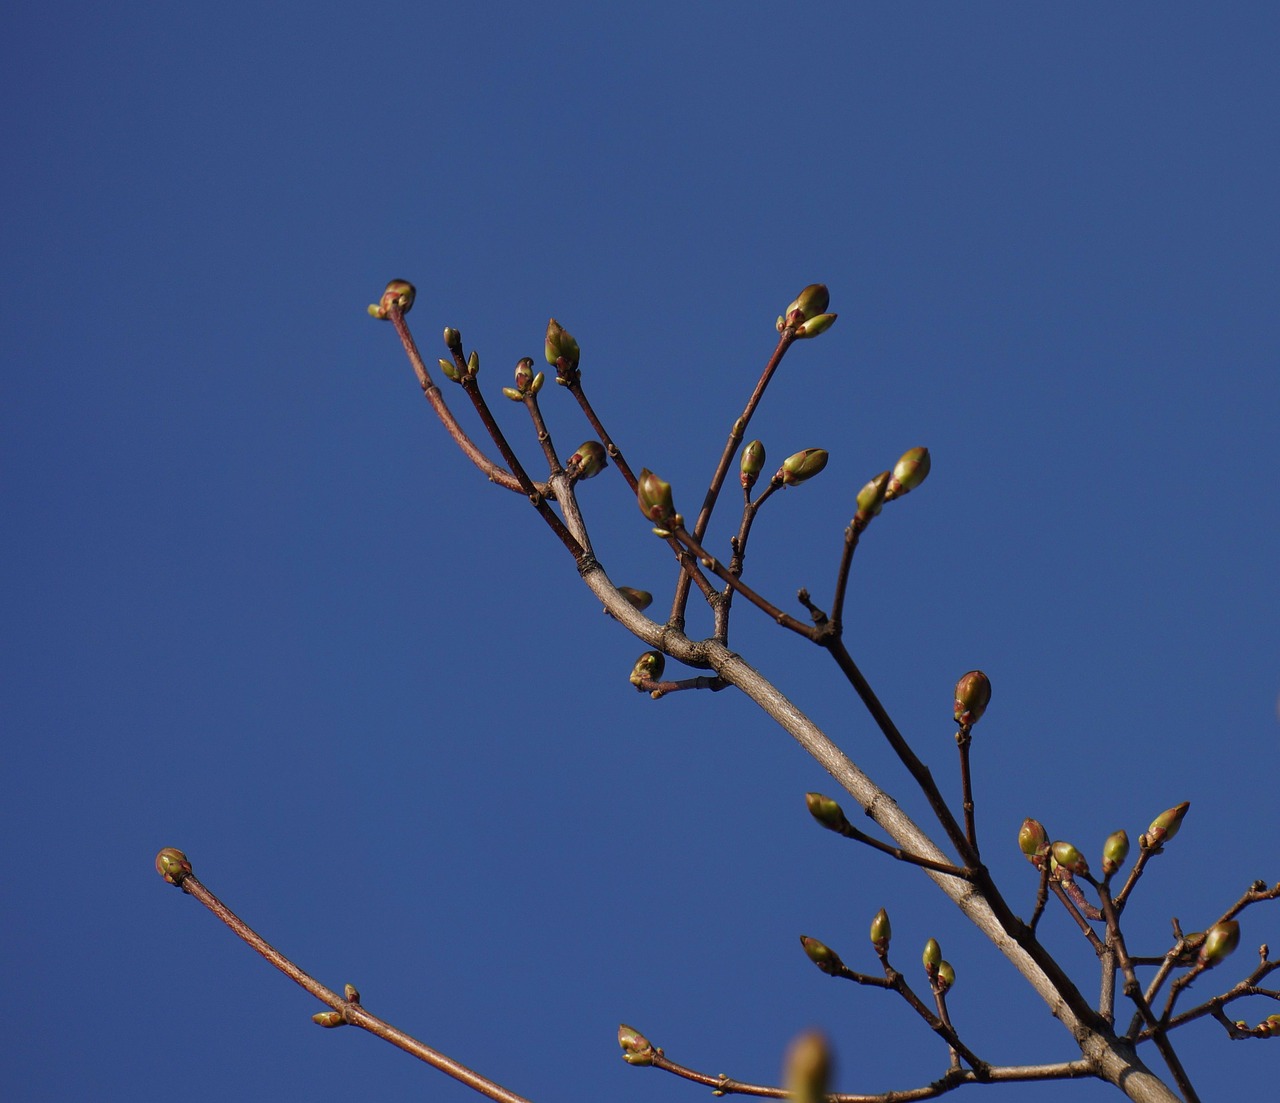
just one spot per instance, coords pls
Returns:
(453, 340)
(751, 464)
(560, 343)
(908, 473)
(870, 500)
(473, 364)
(639, 599)
(1166, 825)
(350, 993)
(946, 977)
(1219, 941)
(1032, 839)
(881, 932)
(513, 394)
(399, 296)
(973, 694)
(524, 374)
(802, 466)
(827, 812)
(822, 955)
(648, 668)
(816, 325)
(932, 957)
(654, 498)
(328, 1019)
(1114, 851)
(811, 302)
(450, 370)
(636, 1048)
(588, 461)
(1069, 859)
(172, 865)
(807, 1068)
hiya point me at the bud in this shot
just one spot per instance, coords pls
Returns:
(881, 932)
(932, 957)
(816, 325)
(870, 500)
(350, 993)
(1219, 941)
(751, 464)
(802, 466)
(328, 1019)
(827, 812)
(513, 394)
(908, 473)
(648, 668)
(973, 694)
(560, 343)
(450, 370)
(172, 865)
(822, 955)
(946, 977)
(453, 340)
(636, 1048)
(811, 302)
(399, 295)
(1114, 851)
(639, 599)
(807, 1068)
(473, 364)
(588, 461)
(1069, 859)
(1032, 838)
(524, 374)
(654, 497)
(1166, 825)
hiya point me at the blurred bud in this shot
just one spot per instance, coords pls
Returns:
(639, 599)
(654, 497)
(648, 668)
(822, 955)
(827, 812)
(946, 977)
(473, 364)
(870, 500)
(932, 957)
(973, 695)
(908, 473)
(1069, 858)
(398, 295)
(588, 461)
(881, 932)
(328, 1019)
(524, 374)
(350, 993)
(816, 325)
(172, 865)
(1166, 825)
(453, 340)
(513, 394)
(807, 1068)
(751, 464)
(811, 302)
(450, 370)
(1032, 838)
(803, 466)
(560, 343)
(636, 1048)
(1219, 941)
(1114, 851)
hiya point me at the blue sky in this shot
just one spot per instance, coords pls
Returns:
(260, 610)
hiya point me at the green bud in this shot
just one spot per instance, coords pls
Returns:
(513, 394)
(636, 1048)
(588, 461)
(946, 977)
(453, 340)
(811, 302)
(654, 498)
(473, 364)
(751, 464)
(560, 343)
(648, 668)
(1166, 825)
(639, 599)
(973, 694)
(328, 1019)
(1069, 858)
(932, 957)
(802, 466)
(399, 295)
(350, 993)
(1219, 941)
(822, 955)
(870, 500)
(1114, 851)
(827, 812)
(172, 865)
(881, 932)
(450, 370)
(908, 473)
(1032, 838)
(807, 1068)
(816, 325)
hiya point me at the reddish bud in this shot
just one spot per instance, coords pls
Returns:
(973, 694)
(1166, 825)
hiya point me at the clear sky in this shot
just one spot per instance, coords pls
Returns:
(258, 608)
